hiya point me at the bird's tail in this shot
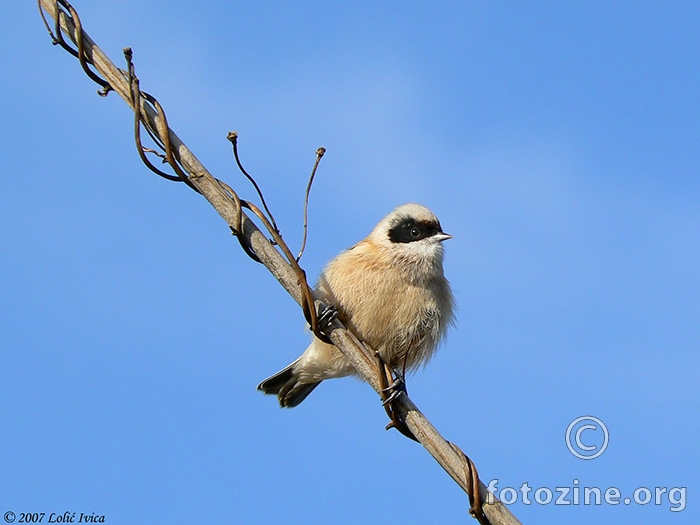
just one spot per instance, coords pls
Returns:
(286, 386)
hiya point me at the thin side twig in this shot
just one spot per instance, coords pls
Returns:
(320, 152)
(233, 138)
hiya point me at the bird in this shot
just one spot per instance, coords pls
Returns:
(390, 290)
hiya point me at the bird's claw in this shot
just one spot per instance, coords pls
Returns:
(326, 315)
(394, 390)
(390, 394)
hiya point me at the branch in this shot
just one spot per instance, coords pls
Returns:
(291, 277)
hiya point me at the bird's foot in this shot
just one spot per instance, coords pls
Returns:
(389, 395)
(395, 389)
(326, 315)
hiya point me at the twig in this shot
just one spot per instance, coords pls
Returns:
(233, 138)
(287, 272)
(320, 152)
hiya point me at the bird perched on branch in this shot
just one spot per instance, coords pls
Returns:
(391, 291)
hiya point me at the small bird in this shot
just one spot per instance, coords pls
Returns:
(391, 291)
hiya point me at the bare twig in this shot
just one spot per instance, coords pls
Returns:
(233, 138)
(320, 152)
(282, 265)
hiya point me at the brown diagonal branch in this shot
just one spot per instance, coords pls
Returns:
(227, 204)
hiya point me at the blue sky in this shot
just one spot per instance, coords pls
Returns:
(557, 142)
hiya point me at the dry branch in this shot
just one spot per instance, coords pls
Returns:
(450, 457)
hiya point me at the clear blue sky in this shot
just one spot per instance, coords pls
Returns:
(558, 143)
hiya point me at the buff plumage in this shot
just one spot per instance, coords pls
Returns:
(390, 290)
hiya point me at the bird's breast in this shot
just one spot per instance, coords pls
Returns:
(400, 319)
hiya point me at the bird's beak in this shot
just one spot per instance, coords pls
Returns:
(439, 237)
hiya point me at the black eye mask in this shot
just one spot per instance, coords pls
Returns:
(410, 230)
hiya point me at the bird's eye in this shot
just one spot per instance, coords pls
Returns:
(415, 232)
